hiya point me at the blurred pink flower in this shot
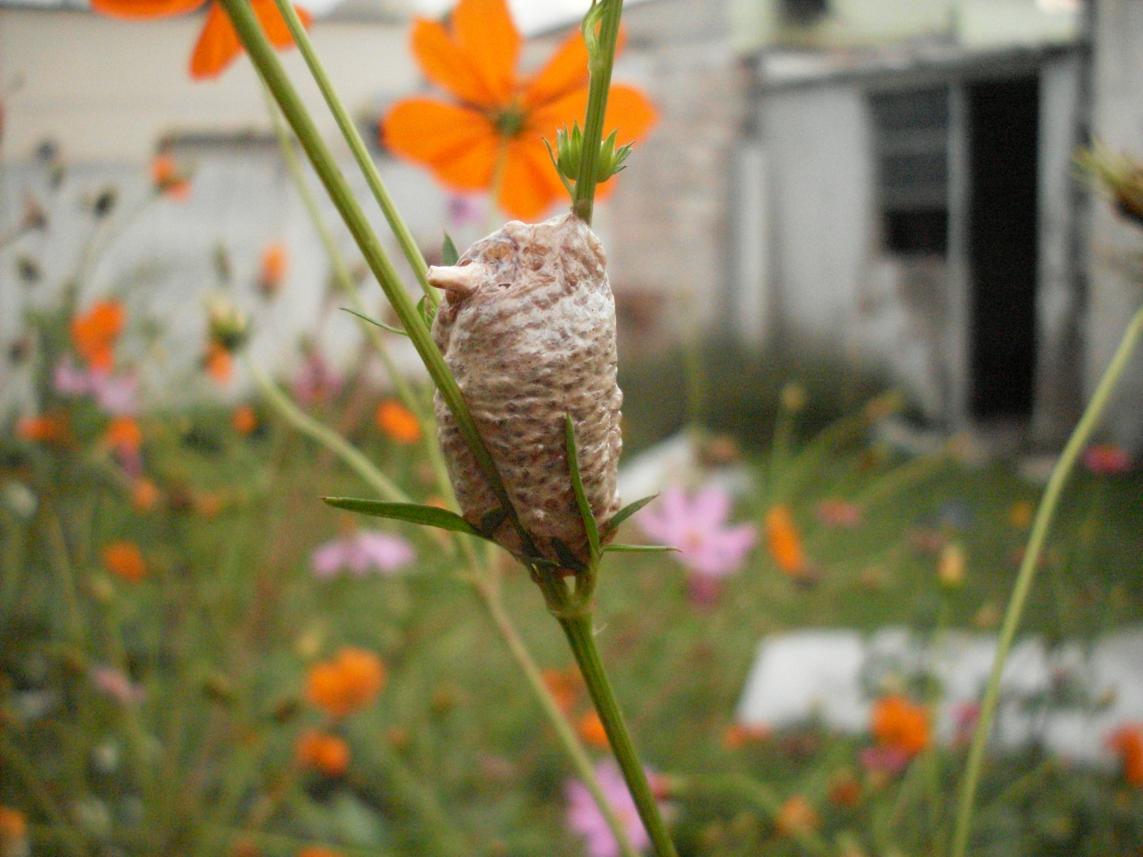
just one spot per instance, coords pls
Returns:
(884, 759)
(835, 512)
(115, 394)
(965, 717)
(316, 380)
(697, 527)
(1106, 459)
(585, 819)
(115, 684)
(465, 209)
(361, 552)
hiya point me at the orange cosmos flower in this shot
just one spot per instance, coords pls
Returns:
(784, 541)
(218, 43)
(495, 128)
(125, 560)
(218, 362)
(244, 420)
(346, 682)
(275, 262)
(318, 851)
(564, 686)
(95, 333)
(591, 730)
(168, 179)
(796, 817)
(398, 422)
(323, 752)
(47, 428)
(13, 829)
(123, 435)
(1127, 743)
(145, 495)
(901, 724)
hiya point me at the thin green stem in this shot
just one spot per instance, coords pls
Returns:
(600, 61)
(266, 62)
(18, 763)
(327, 437)
(564, 733)
(484, 589)
(360, 153)
(1027, 573)
(344, 280)
(582, 641)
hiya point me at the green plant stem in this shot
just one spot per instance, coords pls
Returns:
(345, 282)
(18, 763)
(360, 154)
(556, 718)
(1027, 573)
(745, 788)
(578, 630)
(600, 62)
(327, 437)
(262, 55)
(481, 583)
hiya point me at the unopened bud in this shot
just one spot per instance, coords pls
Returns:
(228, 325)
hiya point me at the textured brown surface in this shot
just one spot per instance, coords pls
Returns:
(530, 336)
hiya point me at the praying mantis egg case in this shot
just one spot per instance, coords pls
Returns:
(528, 330)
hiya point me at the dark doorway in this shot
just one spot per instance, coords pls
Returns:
(1004, 129)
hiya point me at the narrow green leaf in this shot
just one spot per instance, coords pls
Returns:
(639, 549)
(625, 513)
(374, 321)
(585, 512)
(449, 253)
(427, 516)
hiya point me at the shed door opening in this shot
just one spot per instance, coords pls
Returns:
(1003, 123)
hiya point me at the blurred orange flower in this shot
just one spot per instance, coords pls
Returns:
(13, 828)
(318, 851)
(145, 495)
(901, 724)
(218, 362)
(1127, 743)
(168, 179)
(784, 541)
(564, 686)
(398, 422)
(244, 419)
(218, 43)
(494, 131)
(124, 435)
(272, 270)
(591, 730)
(323, 752)
(125, 560)
(738, 735)
(796, 817)
(95, 333)
(347, 682)
(52, 427)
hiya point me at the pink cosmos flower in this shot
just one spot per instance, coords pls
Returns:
(464, 209)
(115, 684)
(115, 394)
(585, 819)
(884, 759)
(316, 380)
(361, 552)
(696, 525)
(1106, 459)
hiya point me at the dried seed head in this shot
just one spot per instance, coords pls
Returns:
(529, 332)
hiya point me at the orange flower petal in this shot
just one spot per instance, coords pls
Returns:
(275, 25)
(484, 29)
(564, 72)
(530, 185)
(628, 110)
(457, 144)
(450, 66)
(217, 45)
(145, 8)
